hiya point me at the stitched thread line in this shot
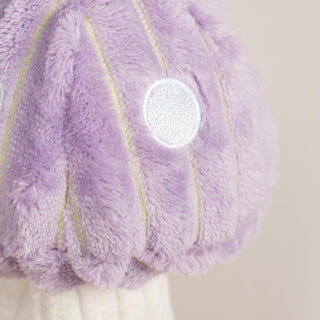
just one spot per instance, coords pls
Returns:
(225, 105)
(195, 183)
(75, 217)
(117, 103)
(20, 81)
(152, 39)
(60, 220)
(160, 56)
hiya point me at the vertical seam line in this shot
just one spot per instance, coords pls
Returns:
(195, 182)
(19, 84)
(152, 39)
(117, 297)
(80, 302)
(75, 216)
(160, 56)
(21, 78)
(60, 219)
(225, 106)
(116, 100)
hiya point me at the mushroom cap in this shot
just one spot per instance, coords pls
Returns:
(135, 140)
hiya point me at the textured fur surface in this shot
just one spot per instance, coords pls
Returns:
(87, 193)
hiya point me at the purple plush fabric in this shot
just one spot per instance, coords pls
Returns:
(87, 194)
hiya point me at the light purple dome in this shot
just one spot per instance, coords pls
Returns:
(105, 180)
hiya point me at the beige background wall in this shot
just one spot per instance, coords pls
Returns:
(276, 276)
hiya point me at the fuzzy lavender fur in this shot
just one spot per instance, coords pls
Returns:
(67, 143)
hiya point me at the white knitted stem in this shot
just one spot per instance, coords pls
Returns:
(21, 300)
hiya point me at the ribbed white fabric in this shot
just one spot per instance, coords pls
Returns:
(21, 300)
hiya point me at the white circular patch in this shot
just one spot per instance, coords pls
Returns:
(171, 112)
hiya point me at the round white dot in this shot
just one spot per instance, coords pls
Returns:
(171, 112)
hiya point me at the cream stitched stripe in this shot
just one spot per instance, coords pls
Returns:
(60, 219)
(60, 222)
(20, 81)
(151, 36)
(116, 100)
(156, 48)
(225, 106)
(195, 183)
(75, 218)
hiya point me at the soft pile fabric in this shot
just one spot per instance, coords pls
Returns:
(20, 299)
(87, 193)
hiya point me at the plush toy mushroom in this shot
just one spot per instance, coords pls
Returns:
(134, 140)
